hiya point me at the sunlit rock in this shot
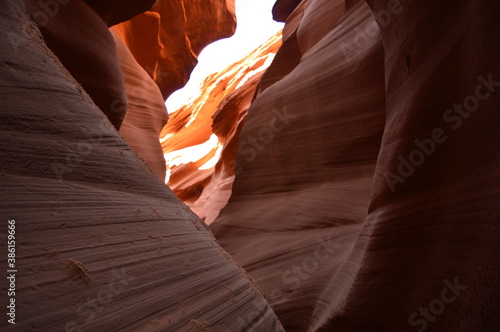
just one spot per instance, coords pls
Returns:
(200, 139)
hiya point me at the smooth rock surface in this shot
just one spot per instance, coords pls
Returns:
(185, 27)
(146, 112)
(117, 11)
(283, 8)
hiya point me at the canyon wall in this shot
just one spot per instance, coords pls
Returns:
(86, 49)
(167, 40)
(355, 181)
(306, 159)
(101, 243)
(428, 257)
(158, 50)
(368, 186)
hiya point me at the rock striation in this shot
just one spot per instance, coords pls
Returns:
(102, 243)
(357, 192)
(353, 185)
(162, 43)
(427, 257)
(367, 196)
(306, 159)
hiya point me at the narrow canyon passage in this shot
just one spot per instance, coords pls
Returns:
(339, 171)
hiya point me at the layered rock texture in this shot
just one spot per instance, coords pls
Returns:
(201, 139)
(80, 39)
(368, 191)
(101, 243)
(352, 186)
(307, 158)
(157, 51)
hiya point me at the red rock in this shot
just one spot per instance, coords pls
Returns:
(216, 117)
(439, 225)
(185, 28)
(165, 42)
(102, 243)
(116, 11)
(82, 42)
(283, 8)
(146, 114)
(340, 231)
(306, 159)
(141, 36)
(365, 196)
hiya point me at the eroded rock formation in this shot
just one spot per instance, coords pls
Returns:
(160, 47)
(146, 112)
(431, 237)
(167, 40)
(201, 139)
(102, 243)
(162, 43)
(366, 170)
(375, 208)
(306, 161)
(80, 39)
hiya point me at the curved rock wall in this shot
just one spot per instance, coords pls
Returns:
(374, 206)
(183, 29)
(81, 41)
(116, 11)
(146, 113)
(102, 244)
(162, 43)
(366, 170)
(160, 47)
(306, 160)
(428, 255)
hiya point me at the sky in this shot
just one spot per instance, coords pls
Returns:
(255, 25)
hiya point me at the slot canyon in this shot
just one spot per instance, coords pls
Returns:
(342, 176)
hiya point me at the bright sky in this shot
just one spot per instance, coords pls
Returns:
(255, 26)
